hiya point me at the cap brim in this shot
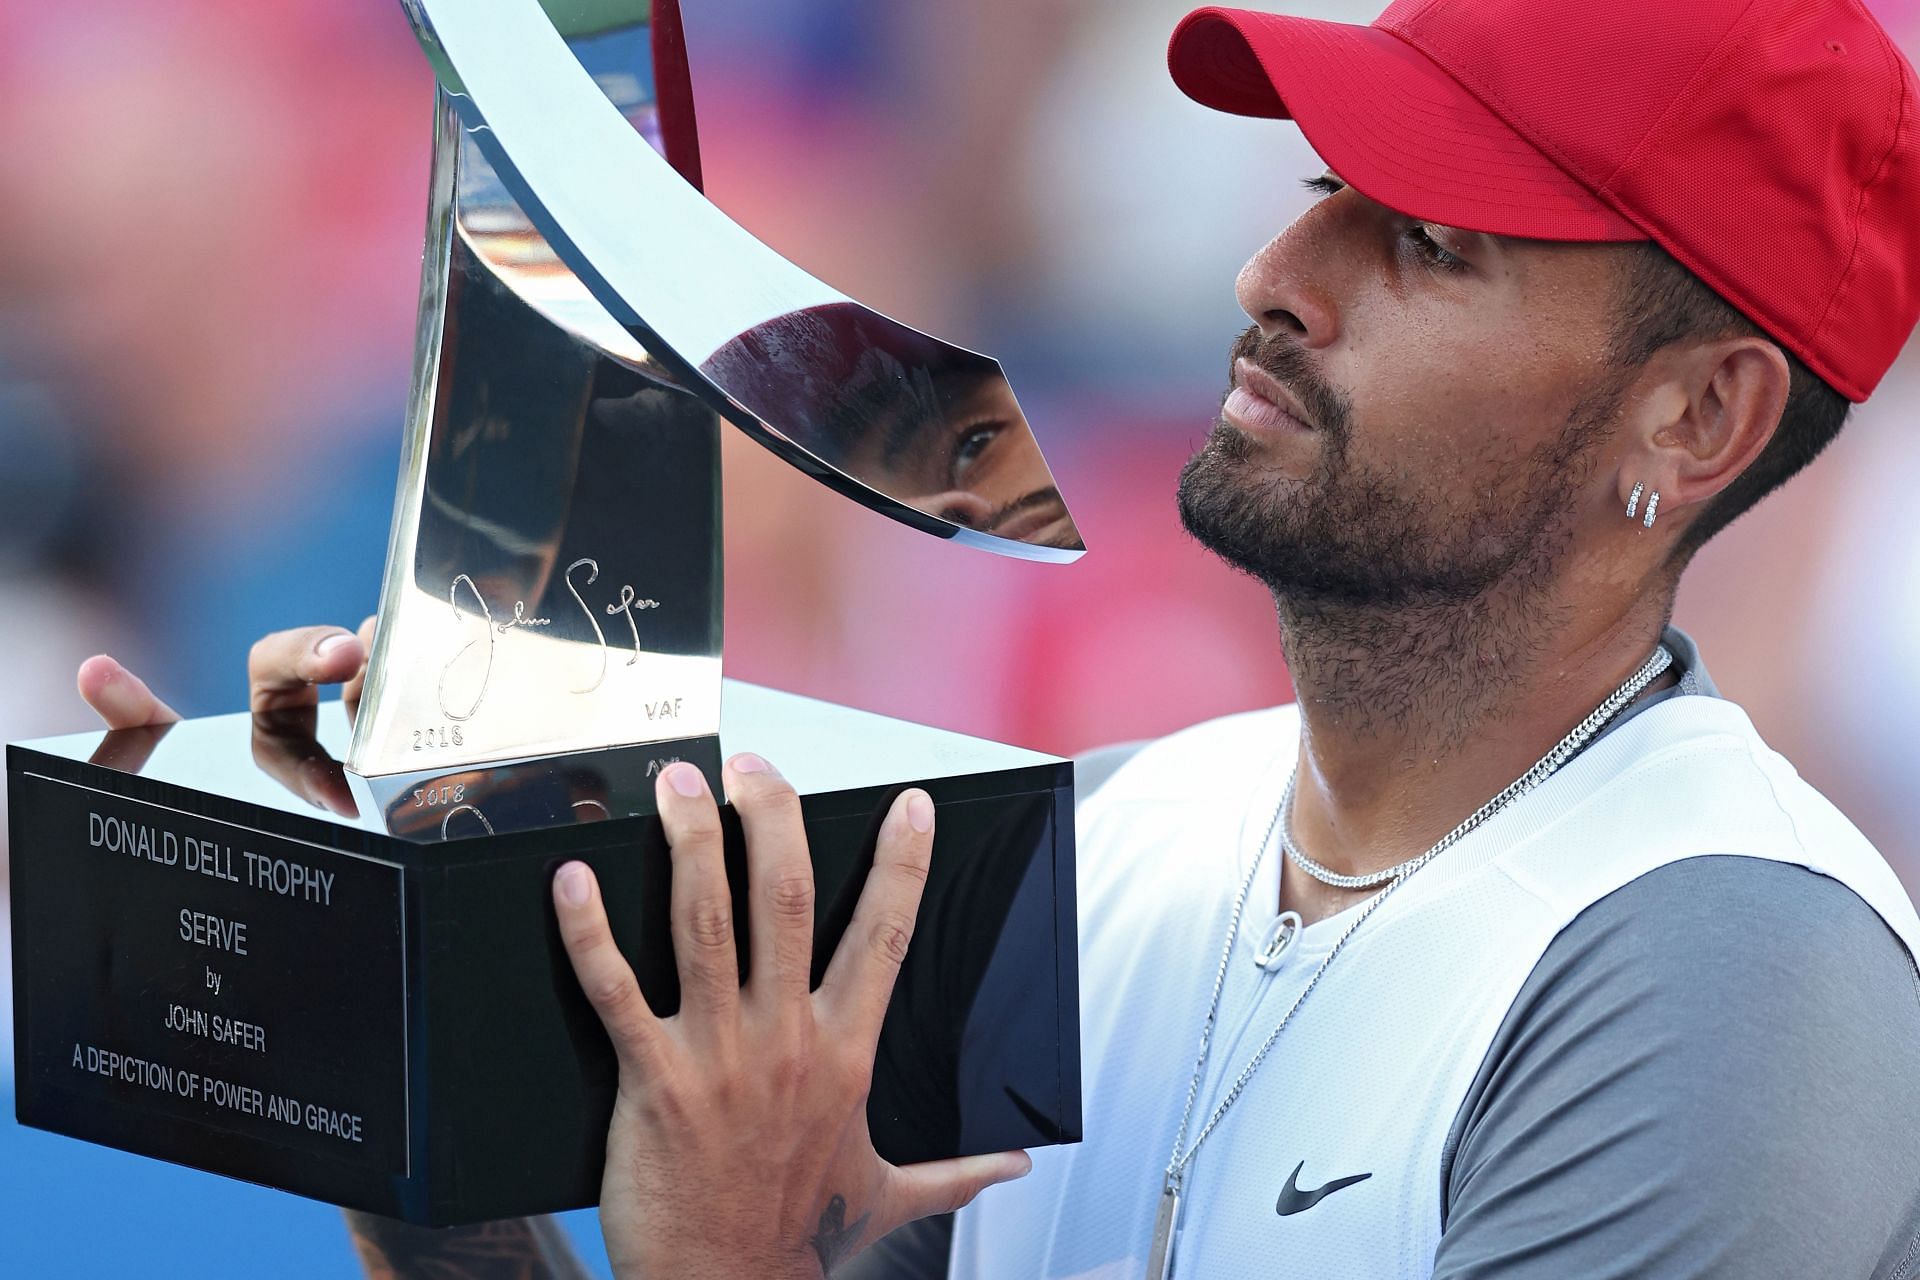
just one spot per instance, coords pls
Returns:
(1389, 121)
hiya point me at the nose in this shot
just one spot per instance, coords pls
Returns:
(1279, 292)
(958, 506)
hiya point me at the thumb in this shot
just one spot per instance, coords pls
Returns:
(942, 1186)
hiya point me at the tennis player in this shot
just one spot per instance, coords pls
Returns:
(1510, 949)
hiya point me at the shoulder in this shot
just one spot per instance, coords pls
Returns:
(1722, 1055)
(1688, 778)
(1717, 908)
(1767, 929)
(1707, 956)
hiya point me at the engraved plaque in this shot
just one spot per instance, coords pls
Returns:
(241, 985)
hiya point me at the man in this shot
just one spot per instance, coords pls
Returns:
(1510, 949)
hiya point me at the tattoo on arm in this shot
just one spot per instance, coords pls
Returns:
(518, 1249)
(836, 1241)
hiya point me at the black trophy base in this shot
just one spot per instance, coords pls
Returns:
(232, 955)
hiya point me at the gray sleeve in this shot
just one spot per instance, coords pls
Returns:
(1714, 1071)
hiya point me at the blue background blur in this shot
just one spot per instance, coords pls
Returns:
(210, 228)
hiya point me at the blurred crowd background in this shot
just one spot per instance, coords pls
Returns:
(210, 228)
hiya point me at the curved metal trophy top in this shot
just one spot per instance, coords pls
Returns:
(553, 578)
(911, 426)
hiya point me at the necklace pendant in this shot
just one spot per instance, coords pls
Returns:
(1279, 938)
(1165, 1224)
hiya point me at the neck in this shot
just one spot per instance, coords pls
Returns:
(1412, 718)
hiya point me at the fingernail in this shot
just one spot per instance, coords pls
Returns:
(686, 778)
(572, 880)
(331, 644)
(1015, 1166)
(747, 762)
(920, 811)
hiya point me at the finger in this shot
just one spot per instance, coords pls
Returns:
(323, 780)
(350, 691)
(779, 879)
(859, 981)
(604, 975)
(285, 749)
(283, 668)
(120, 697)
(701, 905)
(942, 1186)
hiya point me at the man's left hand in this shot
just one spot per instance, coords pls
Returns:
(739, 1145)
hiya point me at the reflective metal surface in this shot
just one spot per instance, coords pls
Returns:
(553, 576)
(907, 424)
(927, 423)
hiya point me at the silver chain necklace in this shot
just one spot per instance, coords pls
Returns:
(1167, 1220)
(1298, 858)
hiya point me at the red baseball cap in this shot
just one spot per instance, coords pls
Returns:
(1772, 146)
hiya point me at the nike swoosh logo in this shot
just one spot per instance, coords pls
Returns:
(1294, 1200)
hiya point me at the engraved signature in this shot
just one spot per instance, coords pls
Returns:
(520, 618)
(593, 575)
(629, 604)
(453, 593)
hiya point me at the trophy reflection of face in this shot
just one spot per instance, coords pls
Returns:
(588, 319)
(935, 426)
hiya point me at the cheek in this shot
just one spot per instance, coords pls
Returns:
(1435, 399)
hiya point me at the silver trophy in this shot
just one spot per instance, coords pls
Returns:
(591, 317)
(372, 1008)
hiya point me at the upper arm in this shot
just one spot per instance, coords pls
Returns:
(1713, 1071)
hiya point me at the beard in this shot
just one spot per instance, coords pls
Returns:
(1352, 534)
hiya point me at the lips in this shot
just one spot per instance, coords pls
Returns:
(1259, 401)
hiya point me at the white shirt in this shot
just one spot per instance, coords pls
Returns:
(1372, 1071)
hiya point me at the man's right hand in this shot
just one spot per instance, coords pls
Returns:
(284, 670)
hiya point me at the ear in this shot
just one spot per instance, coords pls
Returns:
(1705, 413)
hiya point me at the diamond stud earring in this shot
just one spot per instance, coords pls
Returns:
(1653, 503)
(1633, 502)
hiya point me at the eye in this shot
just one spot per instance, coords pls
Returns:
(1430, 249)
(971, 443)
(1422, 239)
